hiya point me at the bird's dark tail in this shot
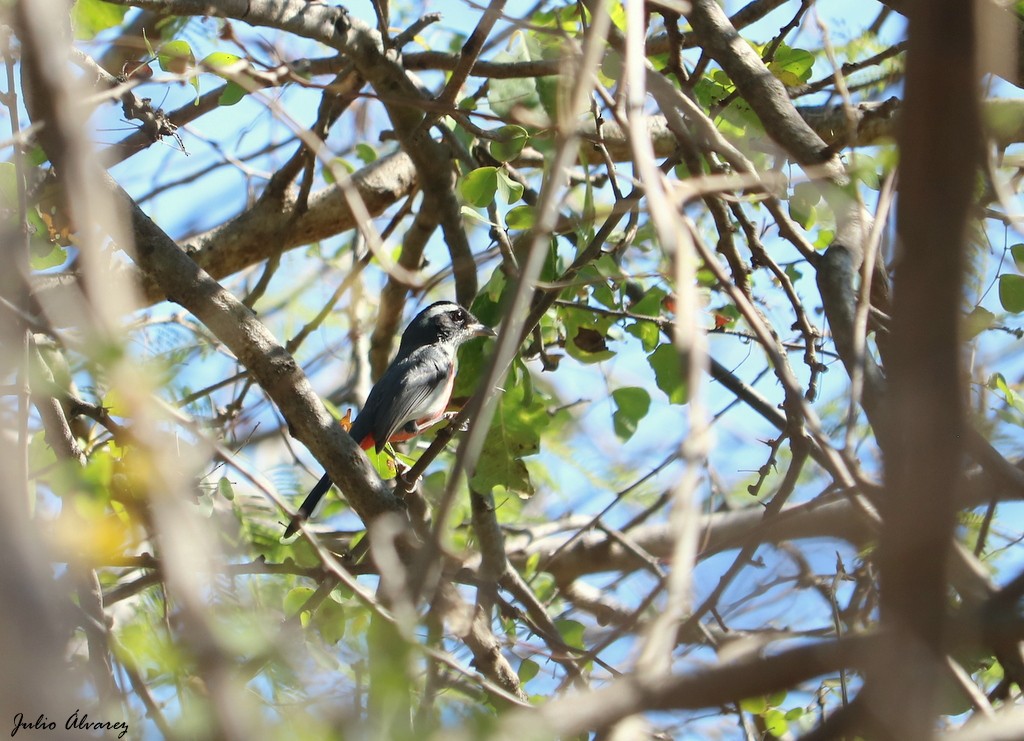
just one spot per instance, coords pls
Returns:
(309, 504)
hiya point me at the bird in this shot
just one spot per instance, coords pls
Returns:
(414, 391)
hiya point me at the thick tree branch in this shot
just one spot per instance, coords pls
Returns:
(923, 463)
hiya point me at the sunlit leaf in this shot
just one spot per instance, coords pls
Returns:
(90, 17)
(176, 57)
(631, 405)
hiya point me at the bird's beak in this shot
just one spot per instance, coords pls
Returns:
(479, 330)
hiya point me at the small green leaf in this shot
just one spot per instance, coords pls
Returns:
(520, 218)
(335, 168)
(804, 215)
(1011, 292)
(383, 463)
(650, 304)
(479, 186)
(754, 705)
(631, 405)
(1017, 251)
(231, 94)
(977, 322)
(775, 723)
(366, 153)
(647, 332)
(225, 489)
(475, 215)
(36, 156)
(792, 66)
(528, 669)
(176, 57)
(510, 190)
(509, 143)
(668, 373)
(571, 632)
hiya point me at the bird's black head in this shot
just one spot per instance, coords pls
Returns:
(443, 321)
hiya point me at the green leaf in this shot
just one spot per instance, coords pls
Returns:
(866, 169)
(1017, 251)
(571, 632)
(710, 92)
(176, 57)
(225, 489)
(754, 705)
(1011, 292)
(777, 698)
(506, 95)
(520, 218)
(806, 192)
(218, 62)
(647, 332)
(366, 153)
(604, 295)
(792, 66)
(775, 722)
(45, 255)
(521, 416)
(295, 599)
(231, 94)
(474, 215)
(805, 216)
(977, 322)
(586, 335)
(650, 303)
(631, 405)
(479, 186)
(90, 17)
(524, 97)
(509, 143)
(8, 183)
(528, 669)
(36, 156)
(330, 619)
(510, 190)
(668, 373)
(383, 462)
(336, 163)
(997, 382)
